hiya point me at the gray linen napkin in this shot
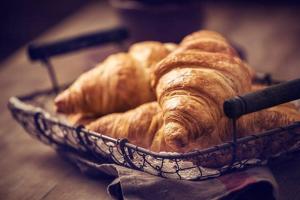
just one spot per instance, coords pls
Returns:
(254, 183)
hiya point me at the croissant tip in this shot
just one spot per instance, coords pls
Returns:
(178, 142)
(176, 136)
(60, 104)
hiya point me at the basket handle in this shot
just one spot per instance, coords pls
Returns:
(47, 50)
(258, 100)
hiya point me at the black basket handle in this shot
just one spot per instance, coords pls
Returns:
(46, 50)
(255, 101)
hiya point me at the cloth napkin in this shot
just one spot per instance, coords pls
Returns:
(253, 183)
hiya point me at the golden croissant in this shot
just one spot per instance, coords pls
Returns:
(141, 126)
(192, 84)
(138, 125)
(277, 116)
(118, 84)
(252, 124)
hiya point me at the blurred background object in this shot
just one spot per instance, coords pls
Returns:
(161, 20)
(24, 20)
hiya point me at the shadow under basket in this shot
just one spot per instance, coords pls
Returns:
(34, 113)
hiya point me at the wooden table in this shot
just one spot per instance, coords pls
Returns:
(31, 170)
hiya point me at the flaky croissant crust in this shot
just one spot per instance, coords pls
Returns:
(119, 83)
(191, 85)
(138, 125)
(108, 88)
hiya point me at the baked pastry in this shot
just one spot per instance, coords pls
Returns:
(118, 84)
(138, 125)
(277, 116)
(210, 41)
(192, 84)
(252, 124)
(149, 53)
(80, 119)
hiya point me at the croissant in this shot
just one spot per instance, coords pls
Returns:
(149, 53)
(138, 125)
(252, 124)
(191, 85)
(277, 116)
(80, 119)
(210, 41)
(119, 83)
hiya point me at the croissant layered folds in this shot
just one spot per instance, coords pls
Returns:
(191, 85)
(277, 116)
(141, 126)
(138, 125)
(118, 84)
(210, 41)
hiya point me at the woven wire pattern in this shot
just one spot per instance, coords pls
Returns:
(34, 114)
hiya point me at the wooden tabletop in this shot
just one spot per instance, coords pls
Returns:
(31, 170)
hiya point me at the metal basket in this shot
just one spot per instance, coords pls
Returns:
(33, 113)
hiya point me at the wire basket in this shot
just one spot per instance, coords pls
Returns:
(34, 113)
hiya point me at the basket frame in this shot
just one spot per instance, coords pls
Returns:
(41, 119)
(83, 143)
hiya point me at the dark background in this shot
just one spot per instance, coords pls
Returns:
(23, 20)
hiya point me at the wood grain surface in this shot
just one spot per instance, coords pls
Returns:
(31, 170)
